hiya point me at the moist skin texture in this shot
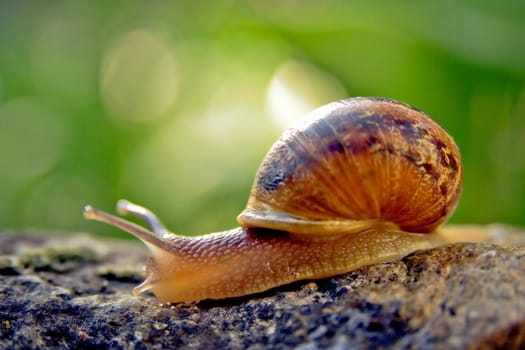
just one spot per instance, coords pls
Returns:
(240, 261)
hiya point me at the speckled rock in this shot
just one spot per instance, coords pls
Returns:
(64, 292)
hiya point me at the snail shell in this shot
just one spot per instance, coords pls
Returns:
(353, 183)
(353, 161)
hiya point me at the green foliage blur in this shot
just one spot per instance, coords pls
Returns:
(173, 104)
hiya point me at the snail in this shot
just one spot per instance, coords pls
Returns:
(355, 182)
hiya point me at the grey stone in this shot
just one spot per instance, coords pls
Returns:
(66, 292)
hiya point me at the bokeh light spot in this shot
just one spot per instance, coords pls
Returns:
(63, 60)
(31, 140)
(297, 88)
(139, 77)
(211, 154)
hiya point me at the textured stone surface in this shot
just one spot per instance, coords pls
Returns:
(74, 292)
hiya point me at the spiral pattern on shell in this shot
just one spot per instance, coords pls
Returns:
(360, 159)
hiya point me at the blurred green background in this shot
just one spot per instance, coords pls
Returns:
(173, 104)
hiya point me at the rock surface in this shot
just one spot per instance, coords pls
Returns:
(74, 291)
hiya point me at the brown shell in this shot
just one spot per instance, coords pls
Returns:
(354, 162)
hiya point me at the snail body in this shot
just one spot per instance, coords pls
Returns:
(353, 183)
